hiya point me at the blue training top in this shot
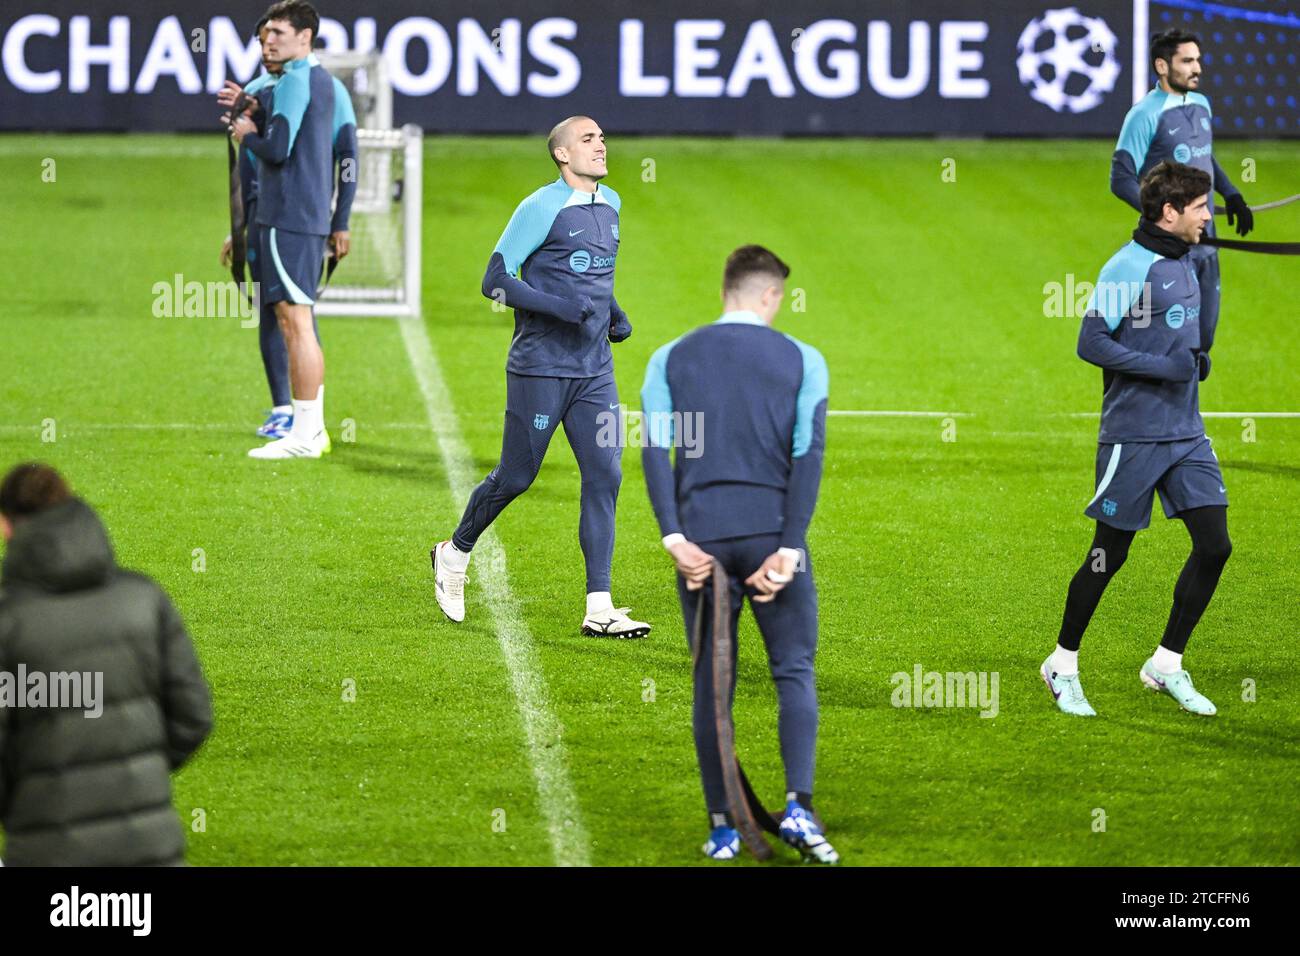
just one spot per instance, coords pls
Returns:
(297, 151)
(1142, 326)
(260, 88)
(745, 407)
(1170, 126)
(554, 265)
(345, 150)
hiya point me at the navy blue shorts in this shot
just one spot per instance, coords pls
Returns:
(253, 253)
(290, 266)
(1186, 473)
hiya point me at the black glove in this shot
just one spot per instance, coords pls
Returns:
(1239, 213)
(619, 326)
(1203, 362)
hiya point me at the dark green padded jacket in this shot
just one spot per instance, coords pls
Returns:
(77, 790)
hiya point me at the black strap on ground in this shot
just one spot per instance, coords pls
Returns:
(238, 241)
(746, 812)
(1270, 248)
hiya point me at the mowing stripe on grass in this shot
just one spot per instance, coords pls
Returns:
(546, 751)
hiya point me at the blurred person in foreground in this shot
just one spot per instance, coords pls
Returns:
(87, 782)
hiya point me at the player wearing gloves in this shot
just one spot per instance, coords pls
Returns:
(554, 265)
(1142, 328)
(1174, 122)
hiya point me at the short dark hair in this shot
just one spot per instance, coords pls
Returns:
(560, 132)
(1164, 45)
(1174, 183)
(750, 261)
(300, 14)
(30, 488)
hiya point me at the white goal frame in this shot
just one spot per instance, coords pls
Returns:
(340, 299)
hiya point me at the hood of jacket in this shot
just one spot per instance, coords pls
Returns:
(61, 549)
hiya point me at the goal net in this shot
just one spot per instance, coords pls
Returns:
(381, 273)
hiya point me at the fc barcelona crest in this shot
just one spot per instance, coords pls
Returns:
(541, 421)
(614, 230)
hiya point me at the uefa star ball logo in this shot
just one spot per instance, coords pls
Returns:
(1068, 61)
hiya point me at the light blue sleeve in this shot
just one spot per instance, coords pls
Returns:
(657, 399)
(1139, 129)
(813, 391)
(292, 96)
(530, 224)
(344, 114)
(1120, 283)
(259, 82)
(611, 197)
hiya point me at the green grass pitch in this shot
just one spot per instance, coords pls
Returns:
(924, 294)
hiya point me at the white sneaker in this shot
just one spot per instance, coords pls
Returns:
(613, 622)
(291, 447)
(449, 584)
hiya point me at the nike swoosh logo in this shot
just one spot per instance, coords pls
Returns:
(1166, 285)
(1056, 694)
(572, 234)
(1221, 488)
(1174, 130)
(614, 406)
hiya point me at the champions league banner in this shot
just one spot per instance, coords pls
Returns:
(871, 67)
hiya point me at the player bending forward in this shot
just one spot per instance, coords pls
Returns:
(554, 265)
(1142, 328)
(746, 501)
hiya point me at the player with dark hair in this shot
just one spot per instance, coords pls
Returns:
(1142, 328)
(258, 94)
(73, 791)
(1174, 122)
(745, 498)
(554, 265)
(295, 187)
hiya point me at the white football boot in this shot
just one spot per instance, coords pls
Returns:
(292, 447)
(448, 583)
(613, 622)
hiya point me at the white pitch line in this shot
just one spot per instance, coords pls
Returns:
(1212, 414)
(870, 413)
(73, 427)
(66, 427)
(542, 731)
(124, 147)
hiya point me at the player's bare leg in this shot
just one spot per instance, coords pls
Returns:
(307, 438)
